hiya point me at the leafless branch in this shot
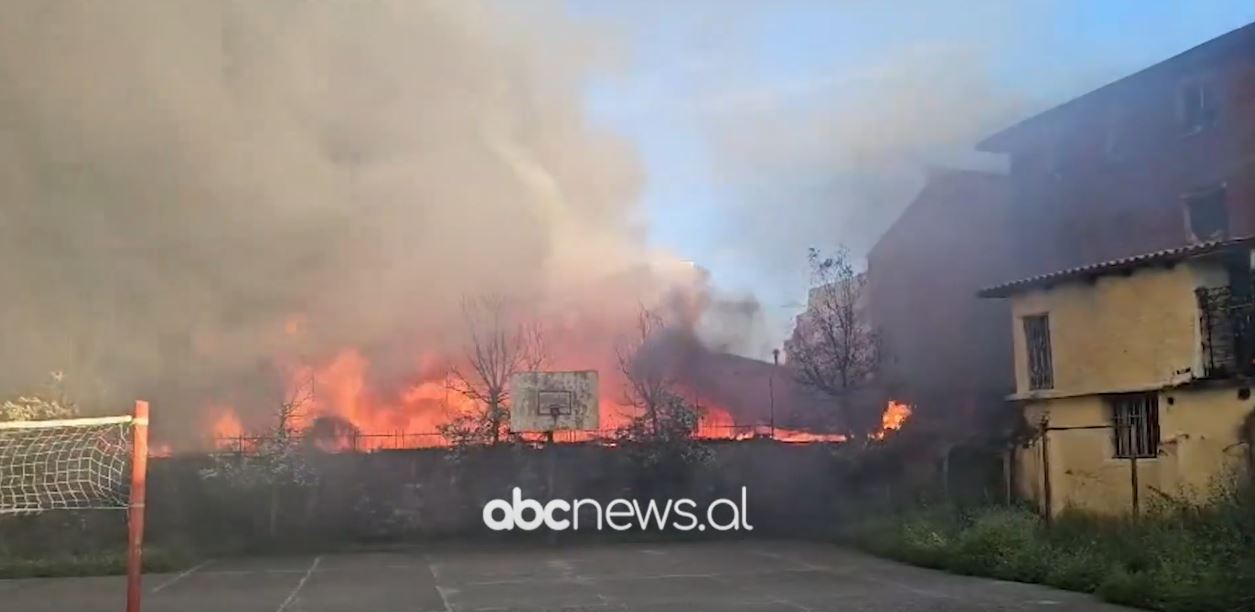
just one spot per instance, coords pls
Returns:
(650, 387)
(834, 350)
(496, 350)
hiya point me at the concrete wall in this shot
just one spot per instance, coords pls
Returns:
(427, 494)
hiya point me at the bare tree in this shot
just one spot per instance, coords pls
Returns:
(834, 349)
(279, 461)
(497, 350)
(649, 385)
(666, 421)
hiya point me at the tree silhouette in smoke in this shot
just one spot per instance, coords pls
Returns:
(662, 431)
(834, 349)
(496, 350)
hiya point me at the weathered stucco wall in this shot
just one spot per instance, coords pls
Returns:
(1117, 333)
(1201, 446)
(1124, 333)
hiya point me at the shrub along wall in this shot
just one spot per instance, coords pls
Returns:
(1176, 557)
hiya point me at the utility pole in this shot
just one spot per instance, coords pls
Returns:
(771, 390)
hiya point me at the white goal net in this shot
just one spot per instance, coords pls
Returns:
(74, 464)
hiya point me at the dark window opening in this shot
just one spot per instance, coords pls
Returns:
(1206, 214)
(1135, 420)
(1037, 342)
(1198, 106)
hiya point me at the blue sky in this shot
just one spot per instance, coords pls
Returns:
(765, 128)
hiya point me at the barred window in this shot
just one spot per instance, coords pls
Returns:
(1136, 425)
(1037, 343)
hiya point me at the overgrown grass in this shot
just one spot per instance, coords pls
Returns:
(93, 564)
(1177, 557)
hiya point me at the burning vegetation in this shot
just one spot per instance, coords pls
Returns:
(413, 423)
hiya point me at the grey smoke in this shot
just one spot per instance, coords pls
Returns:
(178, 178)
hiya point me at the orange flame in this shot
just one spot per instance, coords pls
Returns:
(717, 424)
(895, 415)
(342, 391)
(407, 413)
(798, 436)
(226, 426)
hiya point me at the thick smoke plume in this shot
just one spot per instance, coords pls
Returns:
(196, 198)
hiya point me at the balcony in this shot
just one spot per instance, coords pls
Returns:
(1225, 319)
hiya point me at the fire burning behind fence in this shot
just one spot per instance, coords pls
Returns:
(362, 398)
(715, 424)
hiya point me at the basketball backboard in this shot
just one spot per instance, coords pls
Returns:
(552, 401)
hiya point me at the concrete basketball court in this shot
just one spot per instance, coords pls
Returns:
(688, 577)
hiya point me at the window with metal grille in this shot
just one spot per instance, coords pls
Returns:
(1037, 343)
(1135, 420)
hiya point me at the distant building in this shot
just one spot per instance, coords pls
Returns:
(1134, 377)
(758, 393)
(947, 352)
(1159, 159)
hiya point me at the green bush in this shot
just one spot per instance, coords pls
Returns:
(1077, 569)
(1178, 556)
(925, 542)
(1124, 587)
(97, 564)
(1000, 542)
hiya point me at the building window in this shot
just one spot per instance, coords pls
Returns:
(1206, 214)
(1135, 420)
(1037, 342)
(1198, 106)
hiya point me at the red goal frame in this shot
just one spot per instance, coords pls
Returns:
(135, 509)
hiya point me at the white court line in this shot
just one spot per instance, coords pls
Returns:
(435, 577)
(300, 584)
(251, 572)
(580, 579)
(792, 604)
(181, 575)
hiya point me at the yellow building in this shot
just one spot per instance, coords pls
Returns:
(1134, 377)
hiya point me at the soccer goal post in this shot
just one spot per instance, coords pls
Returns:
(80, 464)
